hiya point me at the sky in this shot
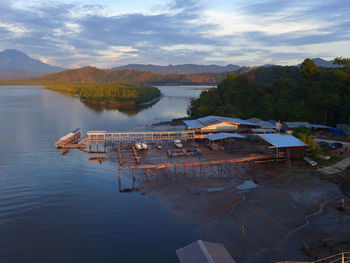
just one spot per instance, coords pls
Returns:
(110, 33)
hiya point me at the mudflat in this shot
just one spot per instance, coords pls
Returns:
(261, 214)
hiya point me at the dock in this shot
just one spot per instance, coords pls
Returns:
(193, 167)
(147, 136)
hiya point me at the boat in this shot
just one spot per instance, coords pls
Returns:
(71, 137)
(141, 145)
(178, 143)
(138, 145)
(144, 145)
(159, 145)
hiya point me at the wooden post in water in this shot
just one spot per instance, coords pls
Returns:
(133, 178)
(120, 179)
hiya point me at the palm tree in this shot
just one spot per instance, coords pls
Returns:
(342, 61)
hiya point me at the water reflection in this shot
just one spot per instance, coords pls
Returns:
(57, 208)
(129, 111)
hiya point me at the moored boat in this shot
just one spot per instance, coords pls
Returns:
(178, 143)
(71, 137)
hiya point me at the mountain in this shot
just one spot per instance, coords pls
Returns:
(15, 64)
(92, 74)
(323, 63)
(185, 68)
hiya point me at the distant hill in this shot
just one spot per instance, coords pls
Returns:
(15, 64)
(323, 63)
(185, 68)
(92, 74)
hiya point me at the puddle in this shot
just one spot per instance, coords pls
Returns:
(214, 189)
(248, 184)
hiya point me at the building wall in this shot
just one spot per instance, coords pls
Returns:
(222, 125)
(294, 152)
(345, 128)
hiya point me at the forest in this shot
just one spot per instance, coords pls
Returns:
(305, 93)
(98, 93)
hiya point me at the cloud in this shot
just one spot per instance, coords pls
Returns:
(248, 32)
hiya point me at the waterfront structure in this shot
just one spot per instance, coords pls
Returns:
(285, 145)
(204, 252)
(218, 124)
(262, 130)
(345, 128)
(221, 141)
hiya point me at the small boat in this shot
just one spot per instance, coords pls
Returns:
(71, 137)
(144, 145)
(138, 145)
(159, 145)
(178, 143)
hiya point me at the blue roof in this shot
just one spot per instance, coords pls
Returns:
(210, 120)
(272, 121)
(282, 141)
(223, 135)
(193, 124)
(264, 130)
(320, 126)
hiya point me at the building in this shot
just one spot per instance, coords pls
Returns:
(222, 140)
(292, 125)
(285, 145)
(218, 124)
(262, 130)
(204, 252)
(345, 128)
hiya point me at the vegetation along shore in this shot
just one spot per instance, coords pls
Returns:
(103, 94)
(310, 93)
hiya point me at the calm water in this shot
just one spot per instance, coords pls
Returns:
(57, 208)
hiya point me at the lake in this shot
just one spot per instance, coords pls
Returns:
(57, 208)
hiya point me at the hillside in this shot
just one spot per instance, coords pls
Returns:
(91, 74)
(184, 68)
(306, 93)
(15, 64)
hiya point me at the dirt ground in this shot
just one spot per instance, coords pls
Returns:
(266, 223)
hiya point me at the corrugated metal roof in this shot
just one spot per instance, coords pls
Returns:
(272, 121)
(204, 252)
(296, 124)
(266, 125)
(264, 130)
(210, 120)
(223, 135)
(218, 119)
(282, 141)
(254, 120)
(320, 126)
(193, 124)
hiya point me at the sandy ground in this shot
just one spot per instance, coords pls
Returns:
(267, 223)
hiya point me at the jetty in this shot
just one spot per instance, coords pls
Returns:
(196, 167)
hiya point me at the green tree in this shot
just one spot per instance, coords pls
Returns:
(342, 61)
(309, 68)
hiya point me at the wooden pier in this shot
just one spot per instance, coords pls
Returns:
(192, 167)
(127, 154)
(147, 136)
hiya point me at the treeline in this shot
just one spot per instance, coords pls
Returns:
(92, 74)
(307, 93)
(98, 93)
